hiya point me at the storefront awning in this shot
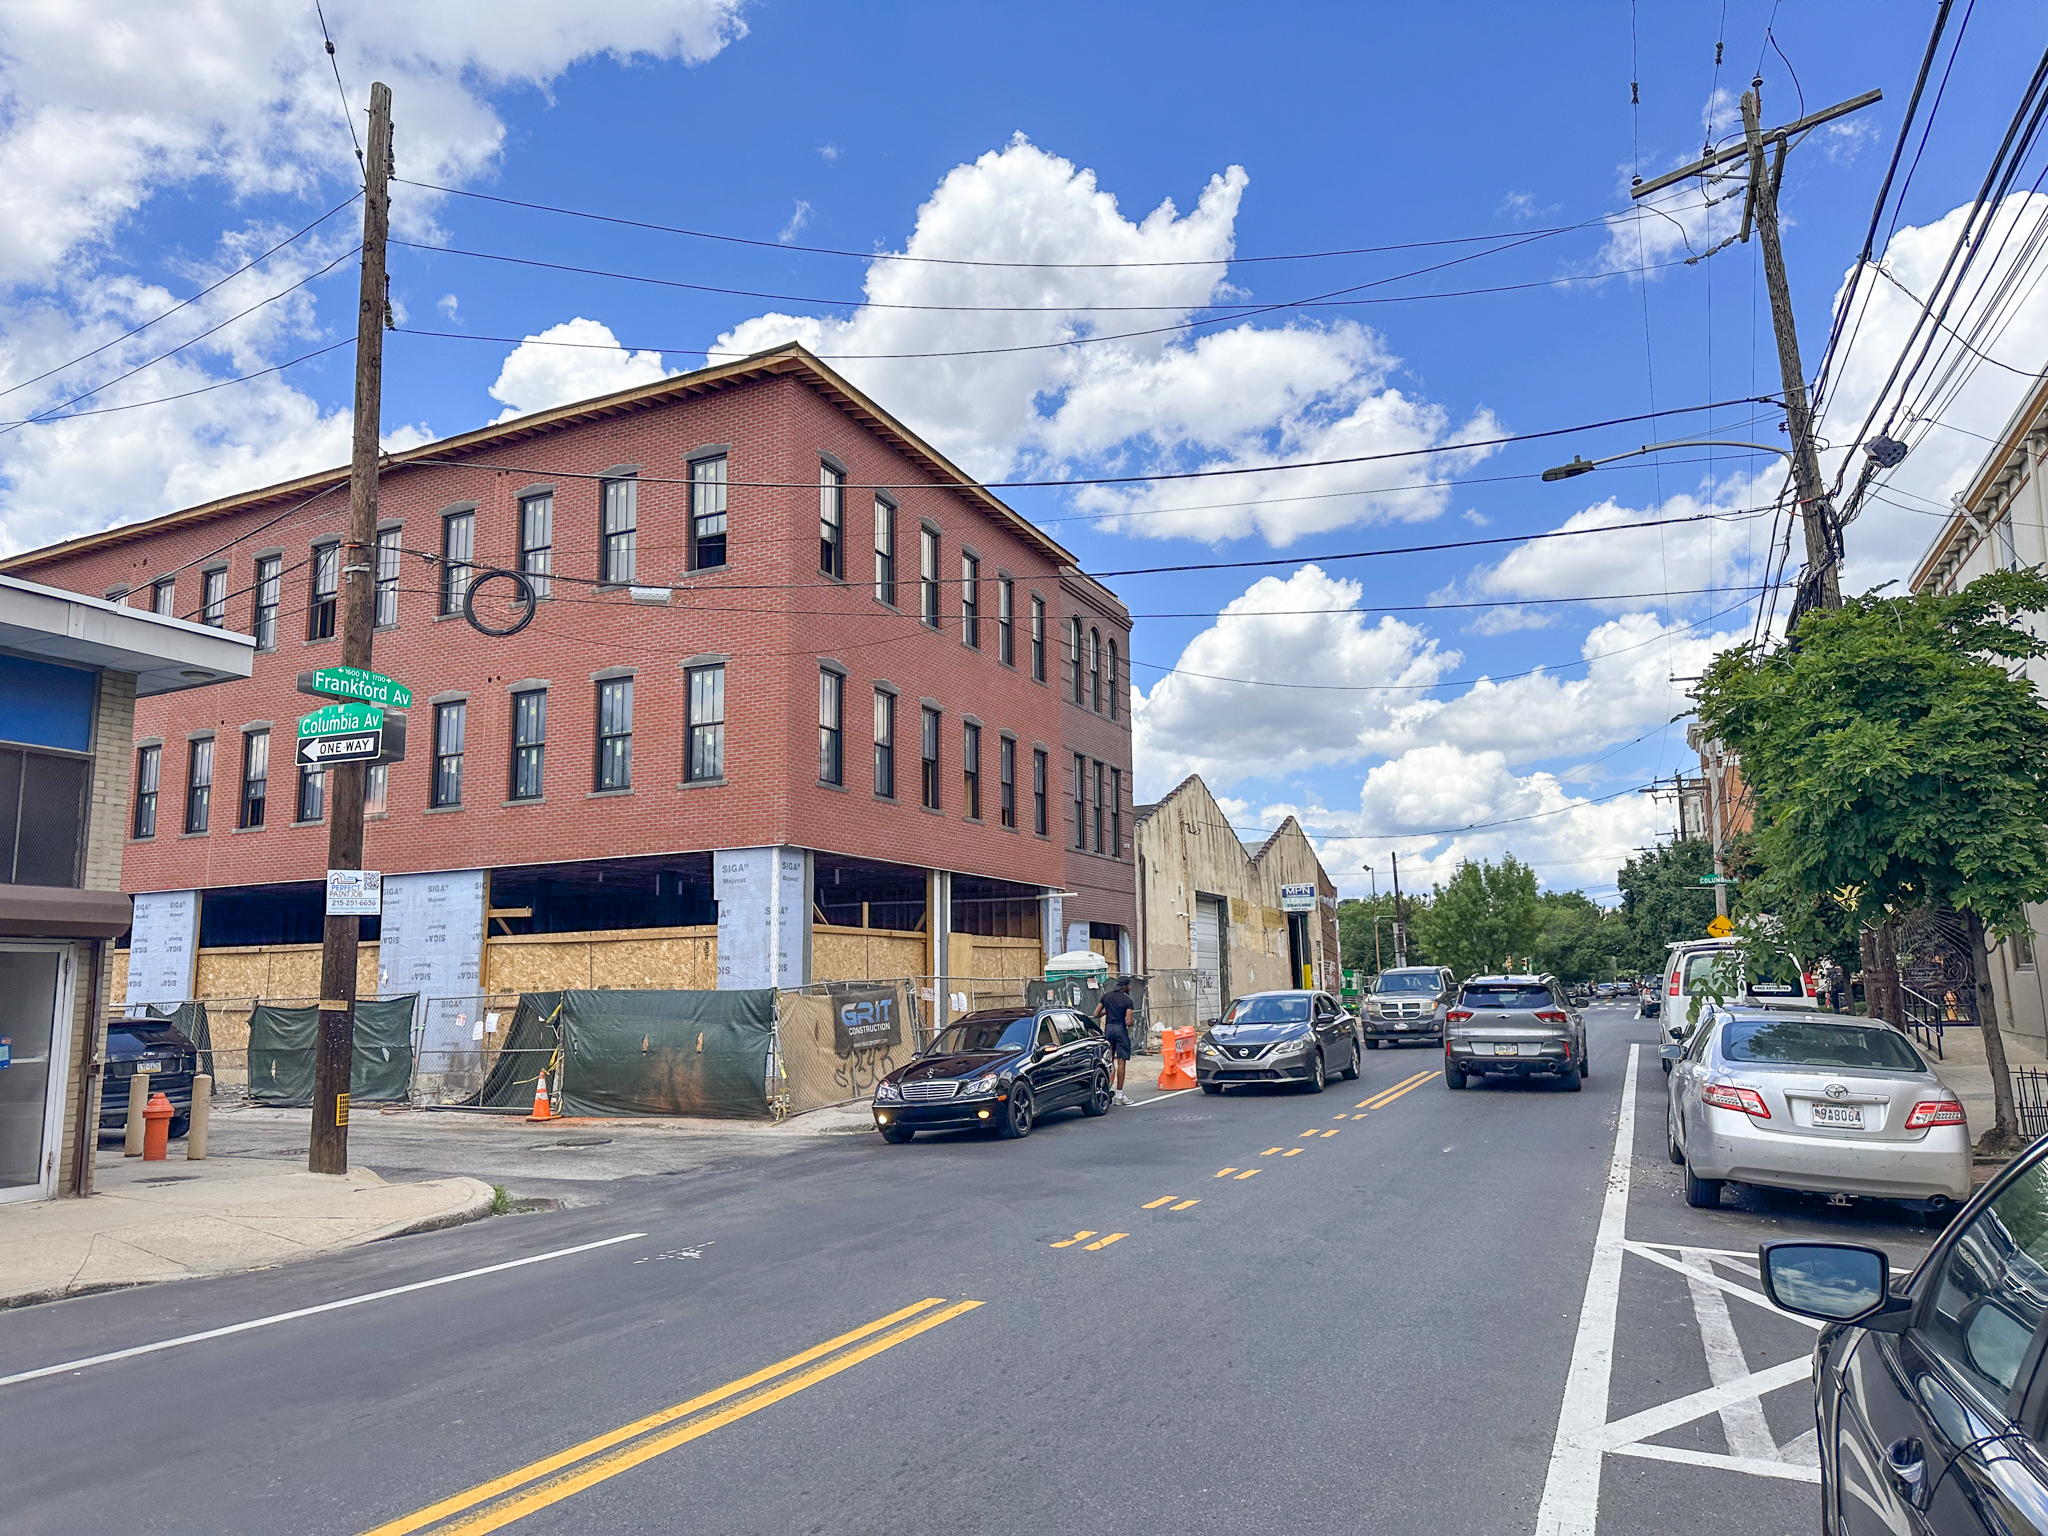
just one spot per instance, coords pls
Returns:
(58, 912)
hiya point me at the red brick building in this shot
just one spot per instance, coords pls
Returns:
(773, 624)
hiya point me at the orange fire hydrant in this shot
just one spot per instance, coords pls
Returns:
(156, 1128)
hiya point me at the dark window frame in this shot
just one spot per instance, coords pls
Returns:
(213, 597)
(1095, 669)
(1006, 781)
(970, 766)
(970, 600)
(1006, 621)
(163, 597)
(710, 549)
(885, 744)
(1079, 691)
(885, 551)
(323, 608)
(618, 530)
(831, 520)
(1101, 775)
(928, 576)
(1080, 803)
(444, 792)
(310, 792)
(252, 804)
(831, 727)
(931, 724)
(526, 778)
(389, 553)
(612, 769)
(269, 590)
(199, 785)
(1037, 638)
(704, 743)
(1041, 790)
(149, 767)
(458, 557)
(537, 541)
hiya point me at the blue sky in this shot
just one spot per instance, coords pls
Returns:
(1070, 134)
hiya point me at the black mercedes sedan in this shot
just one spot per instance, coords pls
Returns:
(1001, 1068)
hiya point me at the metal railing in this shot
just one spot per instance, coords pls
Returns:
(2030, 1088)
(1925, 1018)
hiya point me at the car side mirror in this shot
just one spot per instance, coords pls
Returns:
(1835, 1282)
(1671, 1052)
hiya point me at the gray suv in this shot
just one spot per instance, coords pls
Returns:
(1407, 1004)
(1519, 1026)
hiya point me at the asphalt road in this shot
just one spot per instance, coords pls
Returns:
(1380, 1332)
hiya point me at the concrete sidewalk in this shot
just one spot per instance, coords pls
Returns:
(176, 1220)
(1961, 1066)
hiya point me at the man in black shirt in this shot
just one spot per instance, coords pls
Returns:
(1115, 1012)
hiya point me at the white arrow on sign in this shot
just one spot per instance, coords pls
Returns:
(320, 750)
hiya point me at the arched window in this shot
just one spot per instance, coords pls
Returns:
(1113, 683)
(1080, 670)
(1095, 670)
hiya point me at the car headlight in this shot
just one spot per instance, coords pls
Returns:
(983, 1084)
(1292, 1047)
(1207, 1048)
(888, 1093)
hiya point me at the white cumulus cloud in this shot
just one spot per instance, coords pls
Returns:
(571, 361)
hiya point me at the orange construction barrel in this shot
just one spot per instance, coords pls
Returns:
(1177, 1059)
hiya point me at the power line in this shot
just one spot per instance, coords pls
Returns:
(187, 394)
(347, 118)
(247, 266)
(962, 261)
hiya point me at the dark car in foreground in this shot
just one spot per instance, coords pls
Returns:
(1002, 1069)
(1279, 1037)
(1931, 1401)
(166, 1057)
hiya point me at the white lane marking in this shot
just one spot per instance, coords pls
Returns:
(1697, 1405)
(1755, 1298)
(1742, 1422)
(1571, 1490)
(1158, 1097)
(1788, 1471)
(286, 1317)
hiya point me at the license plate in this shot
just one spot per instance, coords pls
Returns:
(1838, 1114)
(1507, 1050)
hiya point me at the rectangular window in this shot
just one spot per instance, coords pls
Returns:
(269, 574)
(1116, 813)
(1006, 775)
(1112, 679)
(1006, 621)
(1038, 639)
(930, 787)
(388, 556)
(451, 726)
(619, 531)
(885, 744)
(199, 785)
(312, 794)
(707, 724)
(831, 695)
(326, 585)
(1080, 802)
(537, 540)
(615, 733)
(1038, 791)
(1095, 670)
(928, 576)
(1098, 808)
(970, 767)
(458, 554)
(213, 598)
(376, 784)
(970, 601)
(707, 513)
(529, 743)
(255, 777)
(163, 597)
(885, 551)
(831, 521)
(2008, 549)
(149, 762)
(1080, 662)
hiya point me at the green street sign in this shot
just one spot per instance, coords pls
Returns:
(356, 683)
(341, 720)
(1717, 880)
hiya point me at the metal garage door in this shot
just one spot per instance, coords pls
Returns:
(1208, 957)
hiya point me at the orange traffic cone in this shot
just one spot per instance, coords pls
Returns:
(541, 1111)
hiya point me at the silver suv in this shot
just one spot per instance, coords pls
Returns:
(1407, 1004)
(1520, 1026)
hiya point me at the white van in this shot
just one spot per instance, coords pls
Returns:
(1705, 966)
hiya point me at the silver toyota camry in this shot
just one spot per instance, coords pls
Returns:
(1813, 1101)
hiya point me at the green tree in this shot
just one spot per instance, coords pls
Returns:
(1486, 917)
(1897, 756)
(1579, 940)
(1662, 900)
(1355, 929)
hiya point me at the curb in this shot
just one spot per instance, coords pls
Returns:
(478, 1206)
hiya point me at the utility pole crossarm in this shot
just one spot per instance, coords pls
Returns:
(1741, 150)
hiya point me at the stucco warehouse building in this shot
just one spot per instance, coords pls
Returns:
(799, 701)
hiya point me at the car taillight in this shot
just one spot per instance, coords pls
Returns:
(1458, 1015)
(1674, 983)
(1728, 1096)
(1935, 1112)
(1553, 1016)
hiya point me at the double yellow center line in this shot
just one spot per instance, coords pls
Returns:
(492, 1505)
(1380, 1101)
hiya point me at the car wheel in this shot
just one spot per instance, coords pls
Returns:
(1372, 1045)
(1099, 1097)
(1568, 1079)
(1018, 1116)
(896, 1135)
(1672, 1149)
(1586, 1061)
(1702, 1193)
(1216, 1088)
(1453, 1078)
(1316, 1080)
(1357, 1062)
(180, 1124)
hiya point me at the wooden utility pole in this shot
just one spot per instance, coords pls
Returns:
(335, 1049)
(1821, 586)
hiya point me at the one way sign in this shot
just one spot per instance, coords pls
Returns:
(320, 751)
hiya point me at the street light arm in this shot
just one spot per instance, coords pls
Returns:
(1587, 466)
